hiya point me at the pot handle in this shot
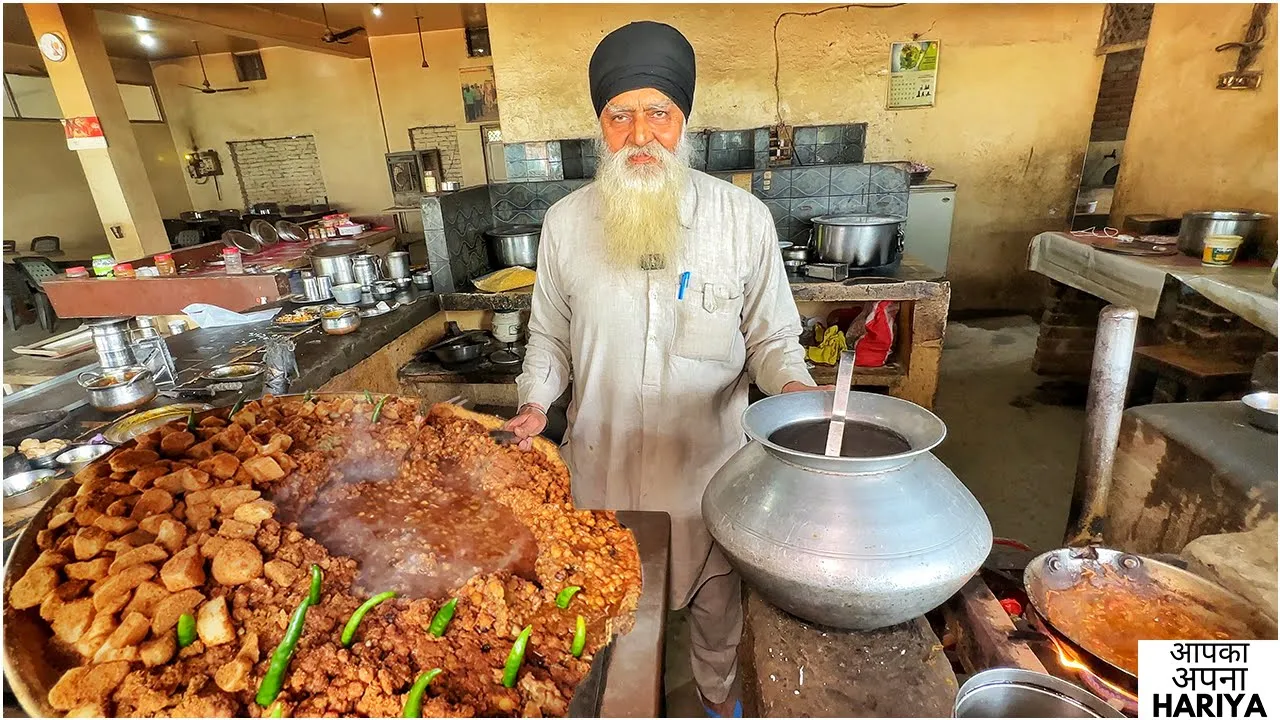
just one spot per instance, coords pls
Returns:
(80, 379)
(902, 240)
(136, 377)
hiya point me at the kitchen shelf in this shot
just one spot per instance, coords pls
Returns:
(882, 376)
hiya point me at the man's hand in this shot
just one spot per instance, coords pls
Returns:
(529, 422)
(797, 386)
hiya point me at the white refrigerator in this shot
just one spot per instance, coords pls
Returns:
(928, 227)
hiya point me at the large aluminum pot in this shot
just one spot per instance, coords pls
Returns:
(1016, 693)
(514, 245)
(333, 259)
(856, 543)
(1198, 226)
(861, 241)
(119, 389)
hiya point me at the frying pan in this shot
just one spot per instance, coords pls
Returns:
(1105, 600)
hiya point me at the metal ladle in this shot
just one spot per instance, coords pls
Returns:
(840, 405)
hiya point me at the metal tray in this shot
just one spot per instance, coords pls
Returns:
(625, 679)
(131, 426)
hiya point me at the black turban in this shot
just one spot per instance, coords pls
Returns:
(643, 55)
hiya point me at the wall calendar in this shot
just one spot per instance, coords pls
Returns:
(913, 74)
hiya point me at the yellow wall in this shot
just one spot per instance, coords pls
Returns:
(305, 93)
(413, 96)
(1191, 146)
(45, 191)
(1017, 85)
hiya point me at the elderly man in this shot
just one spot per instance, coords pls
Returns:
(661, 295)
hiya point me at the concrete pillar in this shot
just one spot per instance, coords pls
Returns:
(85, 85)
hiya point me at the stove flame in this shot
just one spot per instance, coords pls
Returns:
(1070, 659)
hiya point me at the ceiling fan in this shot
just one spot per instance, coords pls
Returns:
(207, 89)
(341, 36)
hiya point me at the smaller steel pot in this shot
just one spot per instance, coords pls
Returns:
(858, 240)
(119, 389)
(340, 322)
(1262, 409)
(422, 279)
(514, 246)
(383, 290)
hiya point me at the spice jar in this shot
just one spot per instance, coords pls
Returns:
(124, 270)
(102, 265)
(164, 263)
(235, 264)
(77, 273)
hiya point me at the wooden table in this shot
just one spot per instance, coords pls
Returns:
(30, 370)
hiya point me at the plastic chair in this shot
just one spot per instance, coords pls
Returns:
(37, 270)
(15, 294)
(188, 238)
(46, 244)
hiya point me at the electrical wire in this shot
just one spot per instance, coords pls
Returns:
(1254, 34)
(777, 59)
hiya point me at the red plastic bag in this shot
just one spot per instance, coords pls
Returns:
(871, 333)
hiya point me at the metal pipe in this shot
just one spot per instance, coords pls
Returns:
(1108, 385)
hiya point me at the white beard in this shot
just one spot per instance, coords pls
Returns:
(641, 202)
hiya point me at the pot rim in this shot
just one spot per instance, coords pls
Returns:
(924, 434)
(1238, 215)
(857, 220)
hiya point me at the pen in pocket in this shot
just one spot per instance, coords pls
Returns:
(684, 283)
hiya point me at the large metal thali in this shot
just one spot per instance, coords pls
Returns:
(625, 678)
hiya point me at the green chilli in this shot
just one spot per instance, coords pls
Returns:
(413, 703)
(273, 681)
(317, 577)
(191, 420)
(565, 596)
(186, 629)
(368, 397)
(306, 396)
(236, 408)
(579, 637)
(349, 632)
(442, 618)
(377, 409)
(515, 658)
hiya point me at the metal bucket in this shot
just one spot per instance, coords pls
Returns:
(1016, 693)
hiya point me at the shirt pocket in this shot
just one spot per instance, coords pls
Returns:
(708, 321)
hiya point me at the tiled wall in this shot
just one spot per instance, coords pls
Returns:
(794, 195)
(709, 151)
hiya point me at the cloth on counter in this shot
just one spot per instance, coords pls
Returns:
(1244, 288)
(643, 55)
(506, 279)
(212, 316)
(659, 383)
(872, 333)
(827, 352)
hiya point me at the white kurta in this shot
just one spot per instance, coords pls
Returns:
(659, 383)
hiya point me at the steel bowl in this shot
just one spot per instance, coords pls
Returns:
(1016, 693)
(422, 279)
(119, 389)
(28, 487)
(383, 290)
(340, 322)
(77, 457)
(48, 460)
(1262, 407)
(346, 293)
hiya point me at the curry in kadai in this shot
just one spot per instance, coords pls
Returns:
(327, 556)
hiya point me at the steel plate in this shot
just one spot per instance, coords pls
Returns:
(127, 428)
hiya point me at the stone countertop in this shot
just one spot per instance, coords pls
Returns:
(913, 280)
(319, 358)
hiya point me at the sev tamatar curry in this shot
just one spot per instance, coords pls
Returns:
(326, 556)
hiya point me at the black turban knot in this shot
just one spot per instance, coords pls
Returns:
(643, 55)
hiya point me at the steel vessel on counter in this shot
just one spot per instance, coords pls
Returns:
(119, 389)
(514, 245)
(1017, 693)
(1261, 408)
(333, 259)
(852, 542)
(365, 267)
(862, 241)
(397, 265)
(1198, 226)
(111, 340)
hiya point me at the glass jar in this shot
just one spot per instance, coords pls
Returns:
(77, 273)
(166, 266)
(103, 264)
(123, 270)
(235, 264)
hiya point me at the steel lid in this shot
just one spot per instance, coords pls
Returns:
(858, 220)
(1239, 214)
(336, 248)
